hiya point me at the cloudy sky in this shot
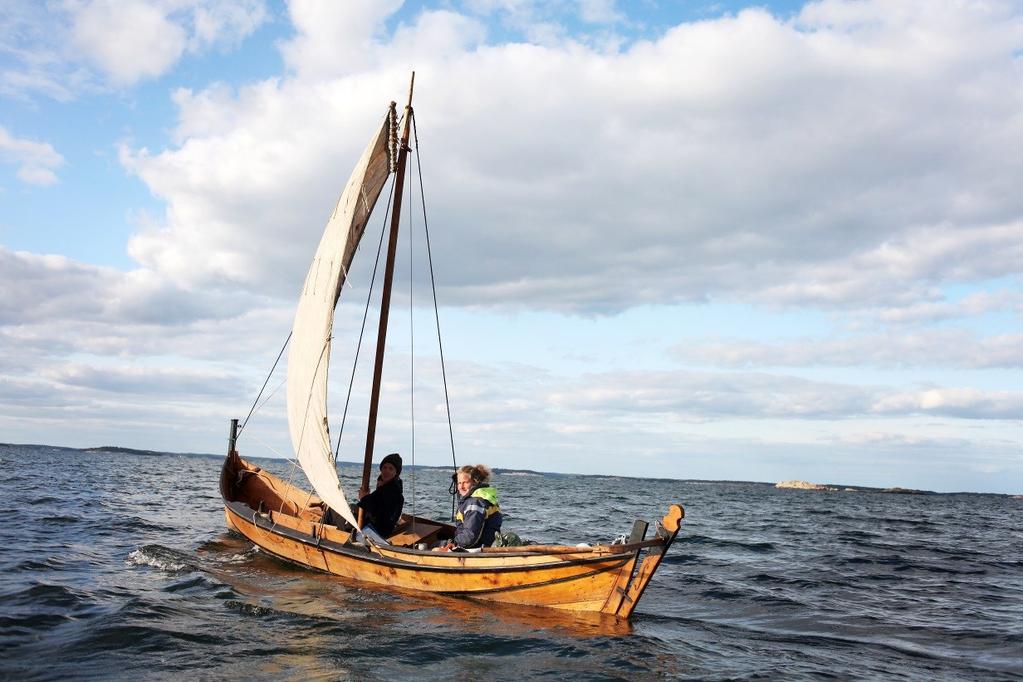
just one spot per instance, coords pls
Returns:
(686, 239)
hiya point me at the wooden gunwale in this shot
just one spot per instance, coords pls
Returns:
(545, 583)
(294, 493)
(521, 585)
(568, 549)
(363, 554)
(606, 579)
(529, 550)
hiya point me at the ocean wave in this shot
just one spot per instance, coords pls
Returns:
(44, 594)
(163, 558)
(98, 584)
(40, 564)
(791, 581)
(758, 547)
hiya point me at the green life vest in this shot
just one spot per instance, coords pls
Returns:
(490, 495)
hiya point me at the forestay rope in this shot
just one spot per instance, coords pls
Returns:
(263, 388)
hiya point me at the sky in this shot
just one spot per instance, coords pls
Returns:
(676, 239)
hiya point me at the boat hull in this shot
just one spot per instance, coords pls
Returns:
(604, 579)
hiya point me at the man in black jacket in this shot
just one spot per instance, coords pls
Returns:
(381, 508)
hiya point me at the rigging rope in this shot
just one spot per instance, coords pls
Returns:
(271, 448)
(436, 313)
(412, 345)
(263, 388)
(362, 330)
(283, 494)
(272, 393)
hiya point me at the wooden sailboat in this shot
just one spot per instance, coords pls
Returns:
(289, 522)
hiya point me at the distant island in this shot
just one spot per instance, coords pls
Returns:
(118, 450)
(124, 451)
(908, 491)
(805, 485)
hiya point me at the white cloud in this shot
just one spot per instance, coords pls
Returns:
(34, 175)
(935, 348)
(138, 359)
(336, 38)
(902, 271)
(36, 161)
(550, 22)
(128, 40)
(852, 160)
(343, 39)
(49, 287)
(966, 403)
(225, 24)
(886, 439)
(435, 36)
(31, 54)
(706, 396)
(599, 11)
(115, 350)
(37, 288)
(743, 157)
(145, 380)
(252, 197)
(63, 49)
(700, 396)
(970, 306)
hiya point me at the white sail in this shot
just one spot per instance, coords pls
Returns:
(309, 356)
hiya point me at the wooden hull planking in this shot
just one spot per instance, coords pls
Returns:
(604, 579)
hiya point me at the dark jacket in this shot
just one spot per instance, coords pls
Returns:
(382, 507)
(479, 518)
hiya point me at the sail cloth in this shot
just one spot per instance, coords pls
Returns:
(309, 355)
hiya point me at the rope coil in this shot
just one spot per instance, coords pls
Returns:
(392, 143)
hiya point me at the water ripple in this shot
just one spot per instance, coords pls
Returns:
(131, 573)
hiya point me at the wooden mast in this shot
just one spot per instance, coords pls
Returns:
(385, 299)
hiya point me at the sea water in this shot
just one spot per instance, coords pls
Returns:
(118, 565)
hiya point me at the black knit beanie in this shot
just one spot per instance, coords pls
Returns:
(394, 459)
